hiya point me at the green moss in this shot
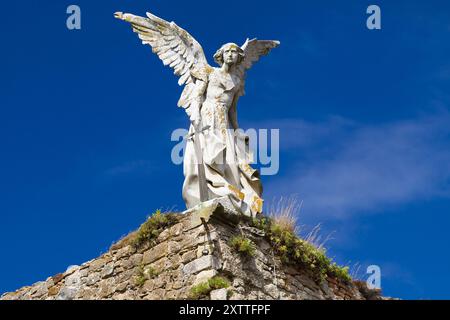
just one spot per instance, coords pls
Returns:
(293, 250)
(203, 289)
(151, 229)
(243, 246)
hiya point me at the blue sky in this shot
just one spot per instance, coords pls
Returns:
(363, 116)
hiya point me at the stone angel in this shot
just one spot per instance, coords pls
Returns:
(210, 97)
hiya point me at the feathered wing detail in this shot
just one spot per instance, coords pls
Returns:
(175, 47)
(254, 49)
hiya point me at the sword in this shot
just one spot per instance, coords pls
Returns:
(195, 136)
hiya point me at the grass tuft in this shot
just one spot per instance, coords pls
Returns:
(203, 289)
(284, 213)
(152, 228)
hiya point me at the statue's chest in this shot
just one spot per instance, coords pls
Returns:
(224, 81)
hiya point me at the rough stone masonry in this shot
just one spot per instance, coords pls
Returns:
(186, 255)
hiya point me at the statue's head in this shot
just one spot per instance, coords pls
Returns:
(229, 53)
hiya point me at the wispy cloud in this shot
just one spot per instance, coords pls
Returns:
(345, 168)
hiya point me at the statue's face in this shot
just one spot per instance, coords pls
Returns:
(230, 55)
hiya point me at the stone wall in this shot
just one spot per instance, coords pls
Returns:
(183, 256)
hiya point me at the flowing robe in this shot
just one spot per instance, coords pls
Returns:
(226, 156)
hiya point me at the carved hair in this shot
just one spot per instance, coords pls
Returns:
(218, 56)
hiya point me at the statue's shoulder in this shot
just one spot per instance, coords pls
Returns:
(202, 72)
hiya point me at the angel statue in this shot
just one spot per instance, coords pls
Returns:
(217, 159)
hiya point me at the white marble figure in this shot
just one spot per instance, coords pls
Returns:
(210, 97)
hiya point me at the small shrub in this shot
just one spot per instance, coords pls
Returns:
(203, 289)
(151, 229)
(243, 246)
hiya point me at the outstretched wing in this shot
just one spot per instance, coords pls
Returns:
(254, 49)
(173, 45)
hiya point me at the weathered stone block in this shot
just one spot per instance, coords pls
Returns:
(155, 253)
(188, 256)
(67, 293)
(108, 270)
(205, 262)
(219, 294)
(123, 252)
(173, 247)
(204, 276)
(161, 265)
(96, 264)
(176, 230)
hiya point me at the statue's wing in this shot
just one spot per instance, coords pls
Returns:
(255, 49)
(173, 45)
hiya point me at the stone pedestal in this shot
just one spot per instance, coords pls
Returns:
(222, 208)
